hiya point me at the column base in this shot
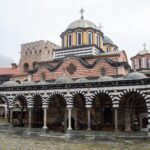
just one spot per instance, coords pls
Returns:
(69, 129)
(116, 131)
(45, 128)
(88, 129)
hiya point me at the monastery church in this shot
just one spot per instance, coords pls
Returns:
(84, 84)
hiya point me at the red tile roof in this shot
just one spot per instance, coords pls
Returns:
(9, 71)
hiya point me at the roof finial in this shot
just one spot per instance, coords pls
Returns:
(100, 26)
(82, 11)
(144, 45)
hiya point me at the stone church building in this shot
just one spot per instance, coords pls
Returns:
(84, 84)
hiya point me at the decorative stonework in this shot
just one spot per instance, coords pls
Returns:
(102, 71)
(71, 68)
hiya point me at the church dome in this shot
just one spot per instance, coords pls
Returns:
(107, 40)
(135, 75)
(82, 23)
(63, 79)
(28, 83)
(9, 84)
(81, 80)
(143, 52)
(105, 78)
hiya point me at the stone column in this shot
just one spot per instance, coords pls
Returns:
(127, 120)
(45, 117)
(11, 115)
(30, 117)
(89, 117)
(148, 111)
(88, 106)
(69, 117)
(116, 119)
(5, 111)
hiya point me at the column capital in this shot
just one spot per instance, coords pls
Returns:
(69, 106)
(29, 107)
(10, 107)
(45, 107)
(88, 106)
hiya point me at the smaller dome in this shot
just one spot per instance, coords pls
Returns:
(107, 40)
(9, 84)
(63, 79)
(82, 23)
(105, 78)
(135, 75)
(81, 80)
(26, 83)
(42, 83)
(143, 52)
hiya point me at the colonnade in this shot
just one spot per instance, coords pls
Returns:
(70, 107)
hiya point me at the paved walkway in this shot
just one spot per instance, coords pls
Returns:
(14, 142)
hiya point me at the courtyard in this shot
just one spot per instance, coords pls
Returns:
(16, 142)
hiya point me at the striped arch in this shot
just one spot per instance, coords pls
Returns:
(19, 95)
(103, 92)
(33, 95)
(4, 98)
(79, 92)
(125, 92)
(50, 95)
(83, 94)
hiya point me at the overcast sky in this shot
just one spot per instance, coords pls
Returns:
(126, 22)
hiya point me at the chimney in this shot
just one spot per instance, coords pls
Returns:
(14, 65)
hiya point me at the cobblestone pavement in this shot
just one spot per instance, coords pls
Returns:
(15, 142)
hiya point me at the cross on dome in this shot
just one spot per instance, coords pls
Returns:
(144, 45)
(82, 11)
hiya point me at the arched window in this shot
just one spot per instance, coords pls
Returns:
(108, 49)
(33, 65)
(79, 38)
(69, 40)
(42, 76)
(147, 63)
(26, 67)
(98, 40)
(140, 64)
(90, 38)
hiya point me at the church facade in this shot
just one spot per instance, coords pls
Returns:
(84, 84)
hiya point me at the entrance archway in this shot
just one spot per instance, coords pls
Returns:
(132, 106)
(3, 110)
(57, 114)
(37, 112)
(102, 113)
(79, 112)
(20, 114)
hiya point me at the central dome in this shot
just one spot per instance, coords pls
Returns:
(82, 23)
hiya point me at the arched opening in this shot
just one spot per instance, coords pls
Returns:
(57, 114)
(90, 38)
(79, 38)
(69, 40)
(20, 114)
(18, 81)
(79, 112)
(37, 112)
(102, 113)
(34, 64)
(26, 67)
(98, 40)
(132, 108)
(3, 111)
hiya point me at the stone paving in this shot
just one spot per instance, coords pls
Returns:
(15, 142)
